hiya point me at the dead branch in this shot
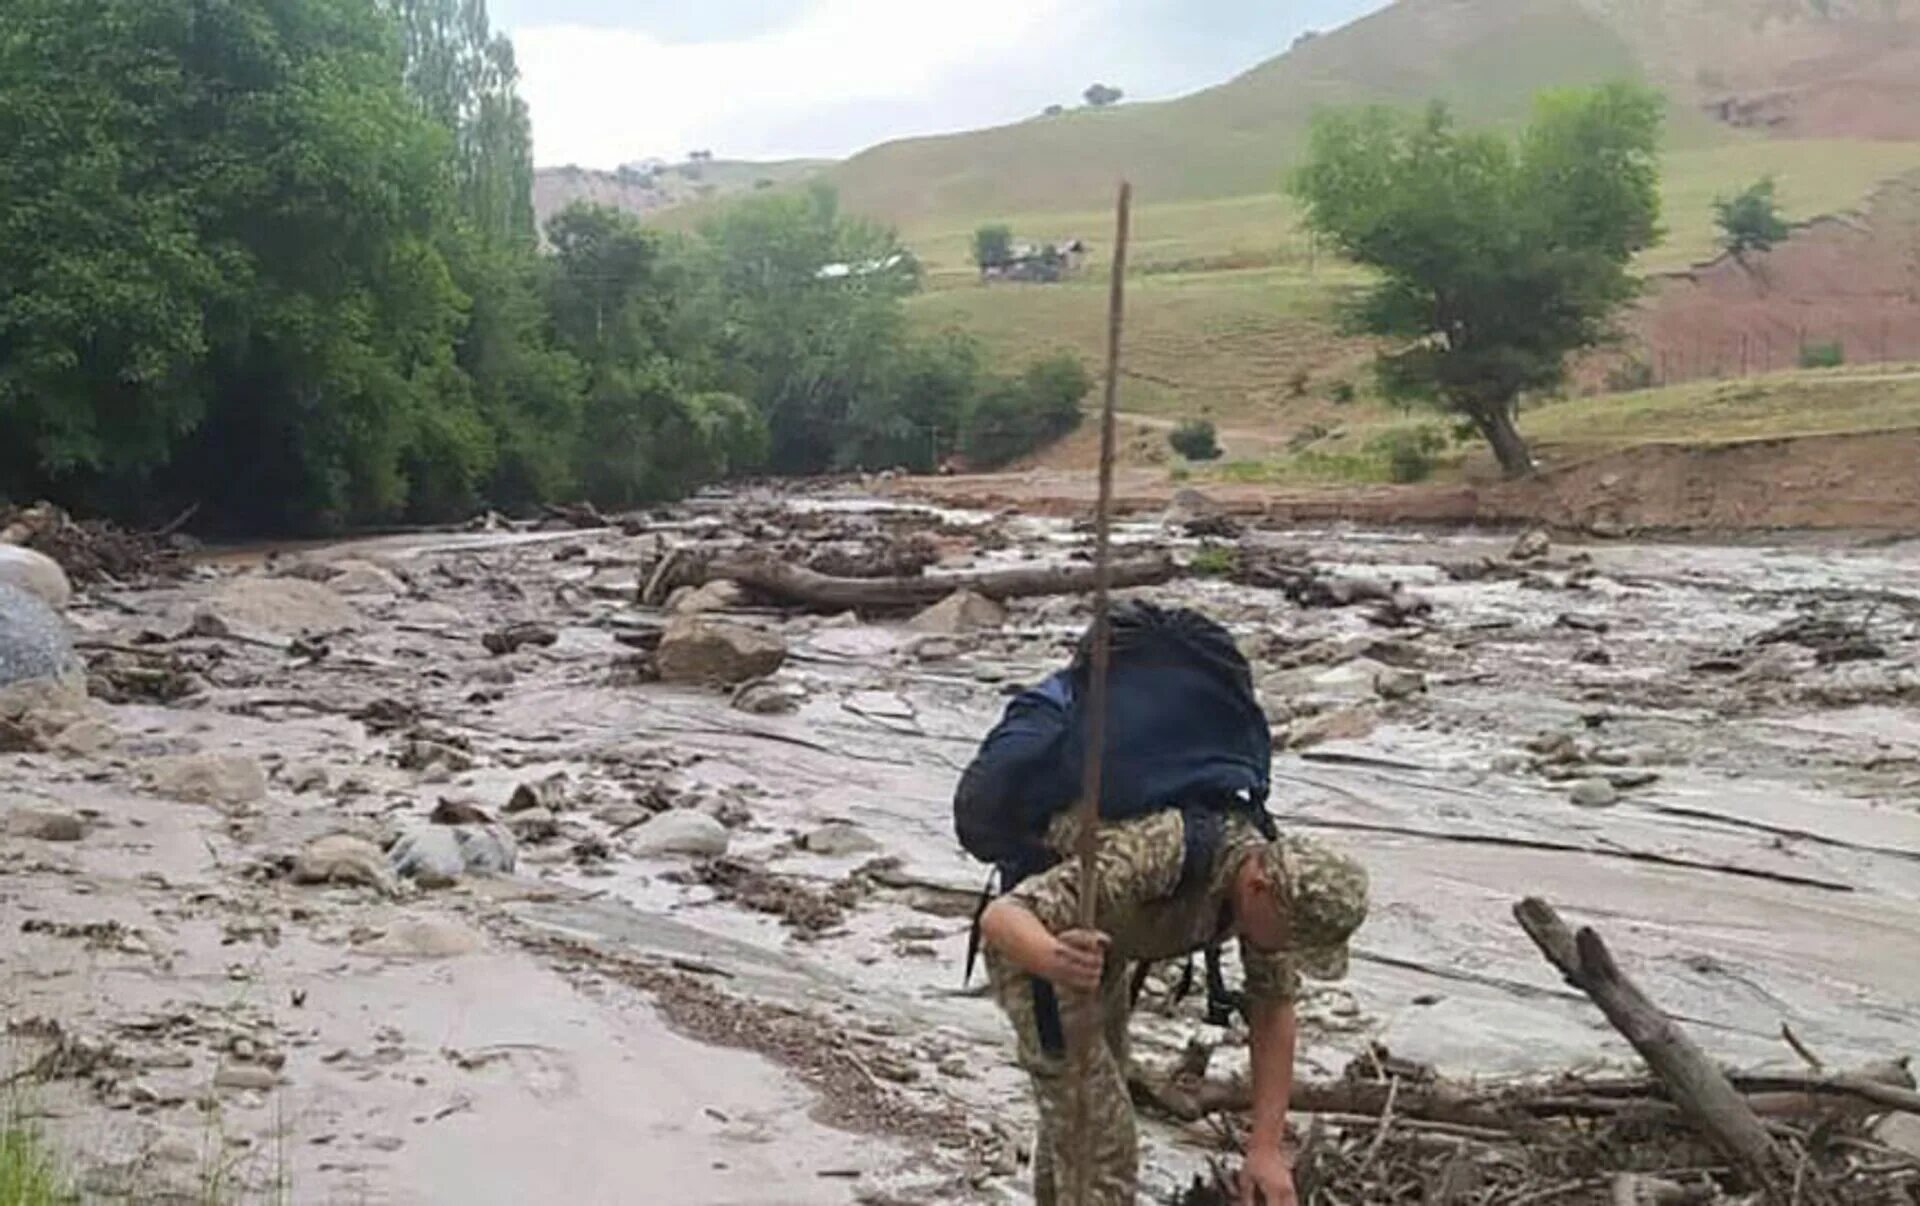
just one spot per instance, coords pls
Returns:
(795, 584)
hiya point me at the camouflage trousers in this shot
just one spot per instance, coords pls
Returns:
(1115, 1167)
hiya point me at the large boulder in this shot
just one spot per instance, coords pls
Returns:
(287, 607)
(222, 780)
(37, 574)
(961, 611)
(34, 643)
(682, 832)
(440, 854)
(701, 649)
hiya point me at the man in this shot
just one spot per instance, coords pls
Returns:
(1292, 902)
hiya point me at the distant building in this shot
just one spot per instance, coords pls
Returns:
(1044, 263)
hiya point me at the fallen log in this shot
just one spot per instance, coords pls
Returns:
(796, 584)
(1696, 1084)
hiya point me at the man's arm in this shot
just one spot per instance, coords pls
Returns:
(1268, 1177)
(1072, 960)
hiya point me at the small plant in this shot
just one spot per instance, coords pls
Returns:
(1629, 376)
(1409, 452)
(1215, 561)
(1196, 440)
(1297, 383)
(28, 1175)
(1180, 473)
(1342, 392)
(1311, 434)
(1832, 354)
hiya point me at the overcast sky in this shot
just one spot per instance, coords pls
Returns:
(612, 81)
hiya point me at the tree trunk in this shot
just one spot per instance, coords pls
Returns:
(1495, 422)
(796, 584)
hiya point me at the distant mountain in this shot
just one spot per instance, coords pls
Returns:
(1732, 68)
(648, 188)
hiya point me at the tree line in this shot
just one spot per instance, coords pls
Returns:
(278, 258)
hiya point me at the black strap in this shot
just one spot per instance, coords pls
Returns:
(1046, 1018)
(973, 935)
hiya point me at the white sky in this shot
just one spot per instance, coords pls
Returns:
(610, 81)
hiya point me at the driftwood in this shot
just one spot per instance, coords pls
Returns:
(793, 584)
(1700, 1089)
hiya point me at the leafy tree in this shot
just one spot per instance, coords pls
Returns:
(1196, 439)
(992, 246)
(1101, 95)
(1497, 257)
(1015, 415)
(1750, 220)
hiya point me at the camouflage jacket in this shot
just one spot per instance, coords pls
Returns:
(1141, 907)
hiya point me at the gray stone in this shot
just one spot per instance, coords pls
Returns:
(1341, 724)
(342, 858)
(1594, 793)
(837, 839)
(1188, 506)
(549, 793)
(682, 832)
(37, 574)
(768, 698)
(700, 649)
(246, 1076)
(44, 825)
(34, 643)
(364, 578)
(426, 938)
(961, 611)
(1393, 683)
(223, 780)
(443, 853)
(286, 607)
(534, 824)
(722, 594)
(1533, 545)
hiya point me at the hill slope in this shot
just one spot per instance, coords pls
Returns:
(1799, 68)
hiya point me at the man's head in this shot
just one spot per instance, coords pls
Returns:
(1302, 897)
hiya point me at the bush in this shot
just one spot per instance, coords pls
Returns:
(1822, 355)
(1341, 392)
(1409, 452)
(1215, 561)
(1629, 376)
(1750, 220)
(1013, 416)
(1297, 383)
(1196, 440)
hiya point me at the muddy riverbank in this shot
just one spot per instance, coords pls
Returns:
(728, 960)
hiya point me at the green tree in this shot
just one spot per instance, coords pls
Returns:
(1012, 416)
(1496, 257)
(1196, 440)
(992, 246)
(1750, 220)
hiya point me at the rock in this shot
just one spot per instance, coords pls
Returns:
(936, 649)
(1391, 683)
(305, 777)
(1594, 793)
(440, 854)
(246, 1076)
(37, 574)
(223, 780)
(44, 825)
(1627, 780)
(682, 832)
(85, 738)
(421, 754)
(534, 825)
(722, 594)
(287, 607)
(549, 793)
(1190, 506)
(1348, 682)
(1341, 724)
(837, 839)
(365, 578)
(515, 637)
(961, 611)
(700, 649)
(342, 858)
(426, 938)
(1533, 545)
(765, 697)
(34, 643)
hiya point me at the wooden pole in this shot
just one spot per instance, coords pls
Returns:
(1085, 1034)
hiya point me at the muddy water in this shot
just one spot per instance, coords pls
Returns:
(1767, 871)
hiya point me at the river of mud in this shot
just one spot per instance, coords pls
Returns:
(787, 1023)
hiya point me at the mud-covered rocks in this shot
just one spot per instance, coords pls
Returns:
(437, 855)
(1594, 793)
(42, 825)
(838, 839)
(34, 643)
(534, 825)
(766, 697)
(682, 832)
(515, 637)
(1533, 545)
(221, 780)
(355, 577)
(286, 607)
(722, 594)
(1392, 683)
(343, 858)
(1339, 724)
(37, 574)
(701, 649)
(961, 611)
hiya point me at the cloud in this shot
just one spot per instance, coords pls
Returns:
(844, 74)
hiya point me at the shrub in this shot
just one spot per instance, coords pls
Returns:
(1215, 561)
(1822, 355)
(1196, 440)
(1409, 452)
(1341, 392)
(1297, 383)
(1630, 375)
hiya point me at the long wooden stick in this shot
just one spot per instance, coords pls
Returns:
(1086, 1034)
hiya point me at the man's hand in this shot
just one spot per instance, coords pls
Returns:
(1267, 1179)
(1077, 960)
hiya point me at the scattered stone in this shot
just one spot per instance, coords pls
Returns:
(1580, 623)
(246, 1076)
(515, 637)
(342, 858)
(459, 811)
(441, 854)
(721, 594)
(936, 649)
(85, 738)
(1594, 793)
(838, 839)
(1594, 655)
(700, 649)
(37, 574)
(365, 578)
(765, 697)
(534, 825)
(1190, 506)
(682, 832)
(961, 611)
(957, 1067)
(286, 607)
(422, 754)
(426, 938)
(44, 825)
(34, 643)
(1393, 683)
(549, 793)
(222, 780)
(1627, 780)
(1533, 545)
(1341, 724)
(306, 777)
